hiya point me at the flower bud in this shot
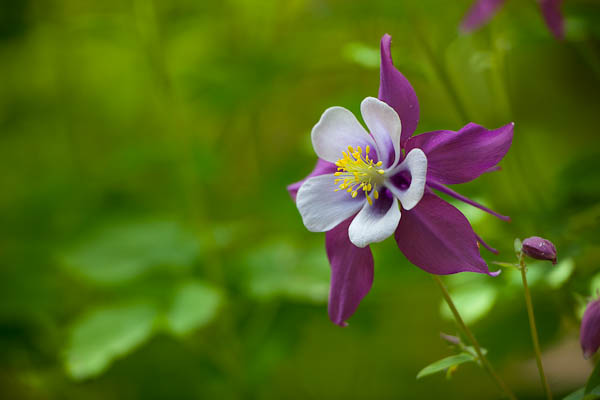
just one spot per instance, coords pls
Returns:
(539, 248)
(590, 329)
(449, 338)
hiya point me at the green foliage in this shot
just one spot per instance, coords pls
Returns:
(194, 305)
(149, 249)
(592, 387)
(591, 391)
(576, 395)
(280, 268)
(518, 245)
(121, 252)
(106, 334)
(445, 364)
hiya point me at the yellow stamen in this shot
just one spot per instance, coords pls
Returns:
(357, 172)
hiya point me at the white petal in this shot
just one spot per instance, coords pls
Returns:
(385, 126)
(416, 164)
(338, 129)
(375, 223)
(321, 207)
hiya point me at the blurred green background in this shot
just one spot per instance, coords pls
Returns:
(149, 249)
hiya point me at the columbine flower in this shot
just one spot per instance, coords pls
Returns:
(590, 329)
(483, 10)
(363, 179)
(539, 248)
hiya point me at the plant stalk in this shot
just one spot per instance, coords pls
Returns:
(484, 361)
(534, 334)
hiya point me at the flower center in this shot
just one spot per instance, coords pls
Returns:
(357, 172)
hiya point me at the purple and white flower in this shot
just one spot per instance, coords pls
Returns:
(370, 184)
(483, 10)
(371, 177)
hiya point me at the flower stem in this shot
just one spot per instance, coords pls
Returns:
(484, 361)
(534, 334)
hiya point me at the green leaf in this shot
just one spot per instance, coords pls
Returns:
(195, 304)
(505, 264)
(561, 273)
(471, 350)
(594, 394)
(473, 302)
(518, 245)
(595, 285)
(593, 382)
(280, 268)
(576, 395)
(445, 363)
(581, 395)
(122, 252)
(106, 334)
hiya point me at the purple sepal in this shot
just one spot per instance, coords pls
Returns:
(446, 190)
(480, 13)
(589, 335)
(438, 238)
(553, 17)
(539, 248)
(321, 167)
(459, 157)
(487, 246)
(397, 92)
(351, 273)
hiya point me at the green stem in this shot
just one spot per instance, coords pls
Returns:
(534, 334)
(484, 361)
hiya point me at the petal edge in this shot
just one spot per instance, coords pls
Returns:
(397, 92)
(438, 238)
(351, 273)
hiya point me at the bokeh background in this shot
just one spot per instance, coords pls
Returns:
(149, 249)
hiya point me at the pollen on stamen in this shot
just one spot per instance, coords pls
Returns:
(359, 173)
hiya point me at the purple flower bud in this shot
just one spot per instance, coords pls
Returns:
(449, 338)
(590, 329)
(539, 248)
